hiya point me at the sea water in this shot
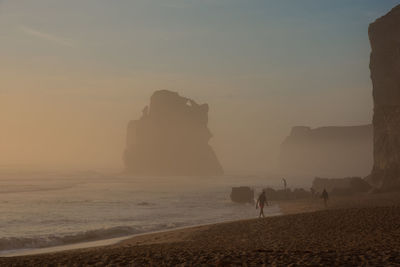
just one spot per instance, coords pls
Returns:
(39, 210)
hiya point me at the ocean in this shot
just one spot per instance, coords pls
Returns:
(48, 209)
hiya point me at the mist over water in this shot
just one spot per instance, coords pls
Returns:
(50, 209)
(70, 87)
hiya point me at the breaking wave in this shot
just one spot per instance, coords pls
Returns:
(14, 243)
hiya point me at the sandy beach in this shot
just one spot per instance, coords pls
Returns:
(361, 230)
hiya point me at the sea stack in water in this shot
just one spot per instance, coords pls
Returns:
(384, 35)
(171, 138)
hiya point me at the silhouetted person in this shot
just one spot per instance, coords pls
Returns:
(325, 196)
(284, 183)
(261, 201)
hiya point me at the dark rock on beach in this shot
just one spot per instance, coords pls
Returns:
(286, 194)
(341, 186)
(242, 194)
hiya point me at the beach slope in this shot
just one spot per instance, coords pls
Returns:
(353, 236)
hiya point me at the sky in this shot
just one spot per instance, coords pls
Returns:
(74, 72)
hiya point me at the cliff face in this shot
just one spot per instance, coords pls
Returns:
(384, 35)
(327, 151)
(171, 138)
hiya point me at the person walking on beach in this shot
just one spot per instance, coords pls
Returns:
(325, 196)
(261, 201)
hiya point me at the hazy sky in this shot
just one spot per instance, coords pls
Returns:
(74, 72)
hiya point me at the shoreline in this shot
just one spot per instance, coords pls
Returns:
(350, 231)
(110, 241)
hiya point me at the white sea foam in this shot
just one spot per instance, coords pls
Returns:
(46, 210)
(12, 243)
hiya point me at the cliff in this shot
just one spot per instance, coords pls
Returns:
(384, 35)
(327, 151)
(171, 138)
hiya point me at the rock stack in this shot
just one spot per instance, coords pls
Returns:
(171, 138)
(327, 151)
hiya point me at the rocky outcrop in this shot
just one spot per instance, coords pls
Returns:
(341, 186)
(384, 35)
(288, 194)
(327, 151)
(171, 138)
(242, 194)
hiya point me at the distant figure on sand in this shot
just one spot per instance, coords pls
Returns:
(312, 192)
(261, 201)
(284, 183)
(325, 196)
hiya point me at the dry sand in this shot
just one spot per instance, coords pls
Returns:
(362, 230)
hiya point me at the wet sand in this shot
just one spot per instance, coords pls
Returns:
(362, 230)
